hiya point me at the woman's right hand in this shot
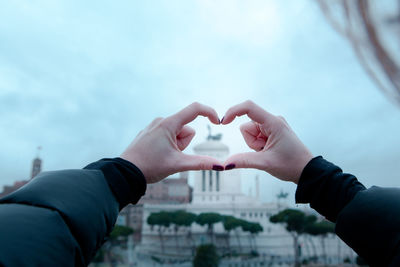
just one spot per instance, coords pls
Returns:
(278, 150)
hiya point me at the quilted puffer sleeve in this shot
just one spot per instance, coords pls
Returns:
(61, 218)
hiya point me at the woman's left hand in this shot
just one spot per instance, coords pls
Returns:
(157, 150)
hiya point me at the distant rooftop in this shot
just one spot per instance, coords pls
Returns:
(211, 145)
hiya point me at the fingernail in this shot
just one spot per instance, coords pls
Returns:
(222, 119)
(230, 166)
(218, 168)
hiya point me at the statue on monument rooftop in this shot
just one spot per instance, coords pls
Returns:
(216, 137)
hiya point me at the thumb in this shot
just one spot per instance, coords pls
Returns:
(247, 160)
(197, 162)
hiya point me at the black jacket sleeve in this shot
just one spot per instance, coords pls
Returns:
(61, 218)
(368, 220)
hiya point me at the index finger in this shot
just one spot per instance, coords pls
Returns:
(253, 111)
(190, 113)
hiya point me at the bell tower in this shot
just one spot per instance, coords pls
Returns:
(36, 164)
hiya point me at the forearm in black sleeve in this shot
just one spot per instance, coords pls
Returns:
(370, 224)
(326, 187)
(82, 204)
(124, 178)
(368, 220)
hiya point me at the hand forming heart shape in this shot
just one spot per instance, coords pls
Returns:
(157, 150)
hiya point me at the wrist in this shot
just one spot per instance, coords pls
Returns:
(125, 180)
(301, 166)
(137, 161)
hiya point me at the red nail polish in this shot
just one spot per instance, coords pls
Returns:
(218, 168)
(230, 166)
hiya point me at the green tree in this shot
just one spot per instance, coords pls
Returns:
(189, 219)
(253, 229)
(120, 233)
(229, 223)
(117, 238)
(180, 219)
(311, 219)
(206, 256)
(246, 226)
(209, 219)
(176, 221)
(321, 229)
(295, 222)
(161, 219)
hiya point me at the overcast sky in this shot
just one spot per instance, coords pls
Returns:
(82, 78)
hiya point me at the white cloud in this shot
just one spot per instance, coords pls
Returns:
(257, 23)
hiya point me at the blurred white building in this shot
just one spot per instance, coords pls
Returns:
(221, 192)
